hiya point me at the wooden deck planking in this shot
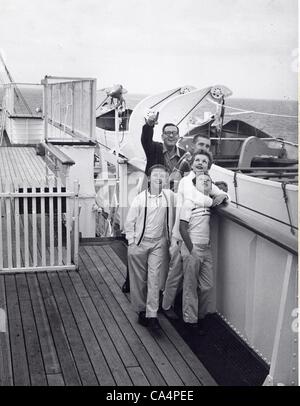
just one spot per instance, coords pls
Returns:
(50, 357)
(177, 340)
(103, 318)
(20, 367)
(33, 350)
(22, 166)
(67, 363)
(86, 333)
(72, 330)
(147, 364)
(115, 260)
(6, 377)
(165, 367)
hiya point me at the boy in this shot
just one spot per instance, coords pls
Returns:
(196, 254)
(149, 221)
(200, 161)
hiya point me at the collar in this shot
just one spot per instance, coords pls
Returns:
(176, 150)
(152, 196)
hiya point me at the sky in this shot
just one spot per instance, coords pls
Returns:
(150, 46)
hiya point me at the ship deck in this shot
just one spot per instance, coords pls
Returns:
(22, 166)
(78, 328)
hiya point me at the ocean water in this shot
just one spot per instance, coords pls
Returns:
(284, 127)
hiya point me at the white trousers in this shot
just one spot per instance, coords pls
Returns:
(175, 275)
(197, 282)
(145, 263)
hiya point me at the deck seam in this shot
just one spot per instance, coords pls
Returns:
(164, 346)
(124, 316)
(145, 337)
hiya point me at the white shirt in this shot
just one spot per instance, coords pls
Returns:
(198, 219)
(156, 215)
(188, 191)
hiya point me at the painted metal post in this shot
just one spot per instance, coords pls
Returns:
(282, 355)
(123, 190)
(73, 107)
(44, 82)
(76, 224)
(93, 110)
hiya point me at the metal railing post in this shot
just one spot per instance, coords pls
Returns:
(45, 107)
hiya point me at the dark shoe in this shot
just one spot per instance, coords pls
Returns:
(194, 329)
(201, 324)
(153, 325)
(143, 319)
(170, 314)
(125, 287)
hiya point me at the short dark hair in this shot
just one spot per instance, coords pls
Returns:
(203, 152)
(200, 135)
(168, 124)
(157, 166)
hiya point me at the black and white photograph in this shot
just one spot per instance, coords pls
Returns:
(149, 196)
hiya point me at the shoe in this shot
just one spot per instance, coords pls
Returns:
(170, 314)
(201, 324)
(153, 325)
(194, 329)
(125, 287)
(143, 319)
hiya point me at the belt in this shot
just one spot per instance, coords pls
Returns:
(202, 245)
(152, 239)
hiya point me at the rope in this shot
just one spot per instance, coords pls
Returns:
(283, 186)
(160, 101)
(198, 102)
(242, 111)
(235, 187)
(266, 215)
(102, 103)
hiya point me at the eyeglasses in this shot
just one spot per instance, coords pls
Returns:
(170, 132)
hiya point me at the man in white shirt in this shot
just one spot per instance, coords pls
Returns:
(201, 161)
(148, 230)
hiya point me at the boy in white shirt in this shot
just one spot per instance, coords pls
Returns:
(201, 161)
(196, 254)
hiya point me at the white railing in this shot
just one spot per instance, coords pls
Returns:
(38, 228)
(23, 100)
(69, 108)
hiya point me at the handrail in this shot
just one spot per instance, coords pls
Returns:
(62, 157)
(266, 229)
(262, 168)
(21, 84)
(67, 130)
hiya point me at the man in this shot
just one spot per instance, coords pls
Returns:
(148, 227)
(166, 153)
(196, 254)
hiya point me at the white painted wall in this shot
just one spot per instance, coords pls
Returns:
(25, 130)
(255, 292)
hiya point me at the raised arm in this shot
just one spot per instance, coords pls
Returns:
(147, 138)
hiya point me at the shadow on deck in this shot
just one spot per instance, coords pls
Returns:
(78, 328)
